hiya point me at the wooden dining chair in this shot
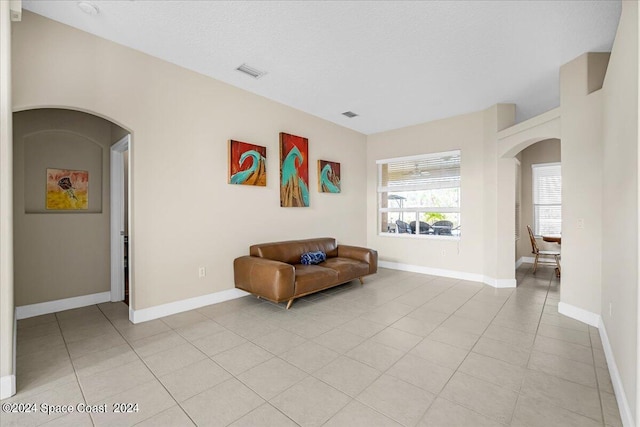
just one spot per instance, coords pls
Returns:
(538, 253)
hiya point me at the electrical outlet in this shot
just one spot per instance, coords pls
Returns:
(443, 253)
(580, 223)
(202, 272)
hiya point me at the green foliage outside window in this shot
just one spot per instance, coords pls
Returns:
(432, 217)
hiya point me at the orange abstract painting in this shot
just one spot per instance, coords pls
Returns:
(67, 189)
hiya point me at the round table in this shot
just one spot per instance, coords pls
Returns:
(555, 238)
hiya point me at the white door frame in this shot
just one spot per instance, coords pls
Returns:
(117, 219)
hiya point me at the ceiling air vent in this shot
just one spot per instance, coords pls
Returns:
(350, 114)
(250, 71)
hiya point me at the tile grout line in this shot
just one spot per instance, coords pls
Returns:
(233, 376)
(436, 395)
(354, 398)
(595, 372)
(573, 382)
(75, 373)
(470, 351)
(533, 345)
(152, 373)
(309, 337)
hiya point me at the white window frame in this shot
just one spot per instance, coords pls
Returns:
(518, 206)
(534, 192)
(418, 210)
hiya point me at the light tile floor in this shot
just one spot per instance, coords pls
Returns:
(404, 349)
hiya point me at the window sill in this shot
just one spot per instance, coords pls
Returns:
(420, 236)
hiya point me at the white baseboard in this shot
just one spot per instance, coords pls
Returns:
(595, 320)
(525, 260)
(496, 283)
(499, 283)
(505, 283)
(32, 310)
(158, 311)
(623, 404)
(7, 386)
(580, 314)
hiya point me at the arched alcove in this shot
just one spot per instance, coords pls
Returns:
(61, 254)
(511, 142)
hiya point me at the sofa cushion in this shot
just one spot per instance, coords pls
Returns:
(311, 278)
(313, 258)
(348, 269)
(291, 251)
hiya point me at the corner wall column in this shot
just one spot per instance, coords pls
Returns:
(7, 339)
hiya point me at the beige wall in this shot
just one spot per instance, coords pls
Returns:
(464, 133)
(7, 372)
(620, 202)
(547, 151)
(581, 150)
(467, 133)
(184, 214)
(60, 254)
(499, 199)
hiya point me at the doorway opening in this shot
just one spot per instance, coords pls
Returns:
(120, 243)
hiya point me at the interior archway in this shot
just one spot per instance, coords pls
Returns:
(511, 143)
(62, 254)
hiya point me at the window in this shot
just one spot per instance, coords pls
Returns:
(420, 194)
(547, 199)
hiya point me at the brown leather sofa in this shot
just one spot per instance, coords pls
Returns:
(273, 270)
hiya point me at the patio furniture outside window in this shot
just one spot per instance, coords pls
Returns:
(423, 189)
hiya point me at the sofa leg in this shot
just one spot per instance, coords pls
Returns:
(361, 280)
(289, 303)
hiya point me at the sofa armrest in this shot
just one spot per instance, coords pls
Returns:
(370, 256)
(273, 280)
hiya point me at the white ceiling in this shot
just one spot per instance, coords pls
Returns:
(394, 63)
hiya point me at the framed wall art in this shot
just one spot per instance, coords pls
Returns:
(67, 189)
(247, 164)
(294, 171)
(328, 176)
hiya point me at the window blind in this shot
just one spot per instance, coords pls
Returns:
(547, 198)
(420, 173)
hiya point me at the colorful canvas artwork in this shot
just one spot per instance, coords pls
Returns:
(67, 189)
(247, 164)
(328, 176)
(294, 171)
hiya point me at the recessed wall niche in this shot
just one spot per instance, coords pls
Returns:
(60, 149)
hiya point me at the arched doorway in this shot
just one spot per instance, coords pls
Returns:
(62, 252)
(511, 143)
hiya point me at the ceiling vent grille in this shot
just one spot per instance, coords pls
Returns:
(350, 114)
(250, 71)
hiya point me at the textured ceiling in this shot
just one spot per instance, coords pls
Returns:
(394, 63)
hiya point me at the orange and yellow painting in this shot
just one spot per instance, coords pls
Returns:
(67, 189)
(247, 164)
